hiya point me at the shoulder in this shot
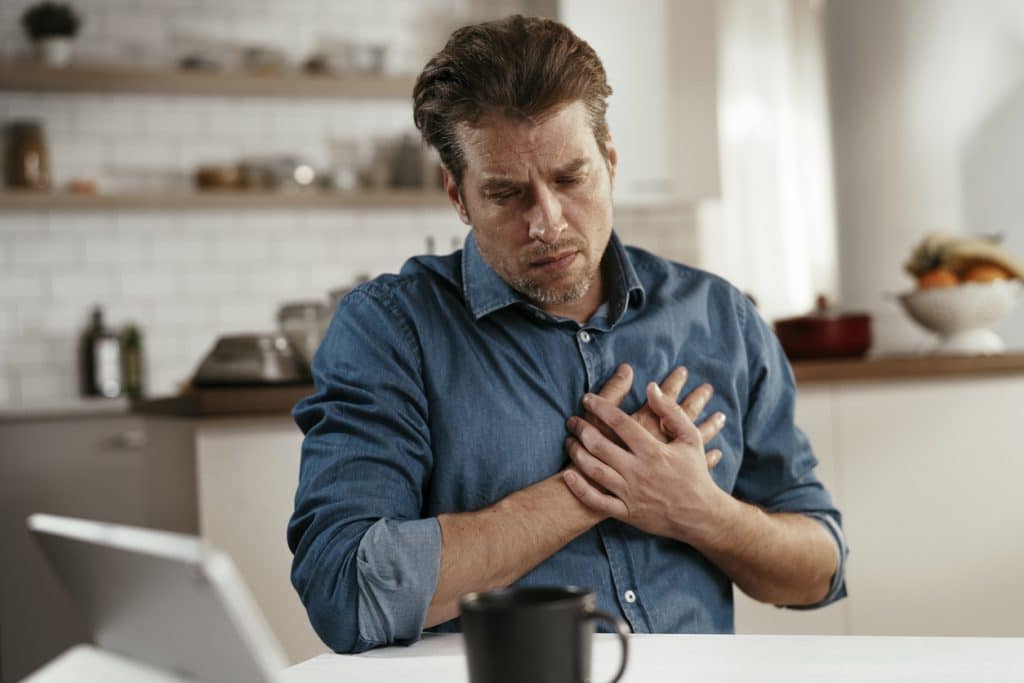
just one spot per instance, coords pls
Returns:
(422, 280)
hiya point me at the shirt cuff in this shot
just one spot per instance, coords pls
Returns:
(837, 589)
(396, 574)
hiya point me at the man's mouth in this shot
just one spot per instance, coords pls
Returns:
(555, 261)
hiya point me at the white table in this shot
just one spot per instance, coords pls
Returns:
(709, 659)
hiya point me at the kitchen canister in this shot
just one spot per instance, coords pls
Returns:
(27, 162)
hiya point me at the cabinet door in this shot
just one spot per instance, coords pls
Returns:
(116, 469)
(932, 473)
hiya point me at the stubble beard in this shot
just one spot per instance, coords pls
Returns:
(546, 295)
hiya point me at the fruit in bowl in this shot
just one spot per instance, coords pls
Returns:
(965, 287)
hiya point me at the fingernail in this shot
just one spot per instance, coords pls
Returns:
(588, 399)
(657, 389)
(720, 419)
(571, 422)
(570, 478)
(623, 371)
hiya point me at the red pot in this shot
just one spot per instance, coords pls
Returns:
(822, 334)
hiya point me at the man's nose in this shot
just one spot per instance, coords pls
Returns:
(545, 215)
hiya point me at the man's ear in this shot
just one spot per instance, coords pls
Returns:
(613, 158)
(454, 196)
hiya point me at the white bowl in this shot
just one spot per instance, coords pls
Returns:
(963, 316)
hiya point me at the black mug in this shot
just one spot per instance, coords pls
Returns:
(540, 635)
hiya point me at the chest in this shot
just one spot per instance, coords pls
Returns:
(499, 393)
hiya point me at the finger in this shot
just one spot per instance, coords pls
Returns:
(714, 456)
(602, 427)
(634, 435)
(710, 428)
(592, 498)
(673, 420)
(674, 383)
(695, 401)
(618, 385)
(595, 470)
(600, 446)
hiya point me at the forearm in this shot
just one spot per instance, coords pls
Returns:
(778, 558)
(495, 546)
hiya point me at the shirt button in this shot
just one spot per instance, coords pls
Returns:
(630, 596)
(584, 336)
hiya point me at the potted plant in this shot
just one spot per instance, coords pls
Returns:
(51, 26)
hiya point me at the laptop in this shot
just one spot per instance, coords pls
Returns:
(162, 599)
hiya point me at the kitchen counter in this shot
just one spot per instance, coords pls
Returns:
(66, 408)
(259, 401)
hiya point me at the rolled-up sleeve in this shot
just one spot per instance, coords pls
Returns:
(365, 563)
(777, 473)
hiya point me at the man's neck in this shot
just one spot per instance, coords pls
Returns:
(583, 308)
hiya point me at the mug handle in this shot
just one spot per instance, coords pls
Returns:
(621, 630)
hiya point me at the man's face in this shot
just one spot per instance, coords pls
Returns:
(537, 194)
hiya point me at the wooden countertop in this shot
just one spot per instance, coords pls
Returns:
(271, 401)
(894, 368)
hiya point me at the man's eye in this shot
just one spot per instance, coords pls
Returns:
(569, 180)
(503, 196)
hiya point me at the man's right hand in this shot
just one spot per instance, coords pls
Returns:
(618, 386)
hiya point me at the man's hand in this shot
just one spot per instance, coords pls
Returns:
(658, 484)
(617, 388)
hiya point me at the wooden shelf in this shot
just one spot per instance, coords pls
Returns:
(109, 79)
(222, 199)
(895, 368)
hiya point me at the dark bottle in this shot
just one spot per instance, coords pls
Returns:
(101, 360)
(131, 361)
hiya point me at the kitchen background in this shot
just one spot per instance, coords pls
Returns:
(796, 147)
(186, 274)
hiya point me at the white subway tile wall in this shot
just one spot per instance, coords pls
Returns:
(186, 276)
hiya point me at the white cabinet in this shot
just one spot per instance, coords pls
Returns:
(661, 61)
(124, 469)
(248, 471)
(927, 475)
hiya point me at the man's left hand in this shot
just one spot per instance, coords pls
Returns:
(661, 488)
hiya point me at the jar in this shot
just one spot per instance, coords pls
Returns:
(28, 166)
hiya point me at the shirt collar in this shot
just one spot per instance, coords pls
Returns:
(486, 292)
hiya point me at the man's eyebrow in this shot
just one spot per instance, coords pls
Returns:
(496, 183)
(572, 167)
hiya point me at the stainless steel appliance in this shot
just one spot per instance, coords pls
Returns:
(240, 359)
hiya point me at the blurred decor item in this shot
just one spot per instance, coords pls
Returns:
(197, 61)
(101, 372)
(264, 60)
(963, 315)
(276, 173)
(27, 165)
(825, 333)
(965, 286)
(303, 323)
(249, 359)
(82, 186)
(217, 177)
(946, 261)
(51, 26)
(407, 163)
(131, 361)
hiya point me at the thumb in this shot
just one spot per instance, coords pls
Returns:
(674, 421)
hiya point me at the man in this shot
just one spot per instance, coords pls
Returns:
(447, 449)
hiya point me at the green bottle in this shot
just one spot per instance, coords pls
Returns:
(131, 358)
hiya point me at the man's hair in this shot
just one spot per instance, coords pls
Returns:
(518, 66)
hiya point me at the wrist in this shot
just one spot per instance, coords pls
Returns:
(715, 529)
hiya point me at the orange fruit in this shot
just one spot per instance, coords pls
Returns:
(938, 277)
(986, 272)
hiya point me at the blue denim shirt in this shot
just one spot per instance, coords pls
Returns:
(442, 390)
